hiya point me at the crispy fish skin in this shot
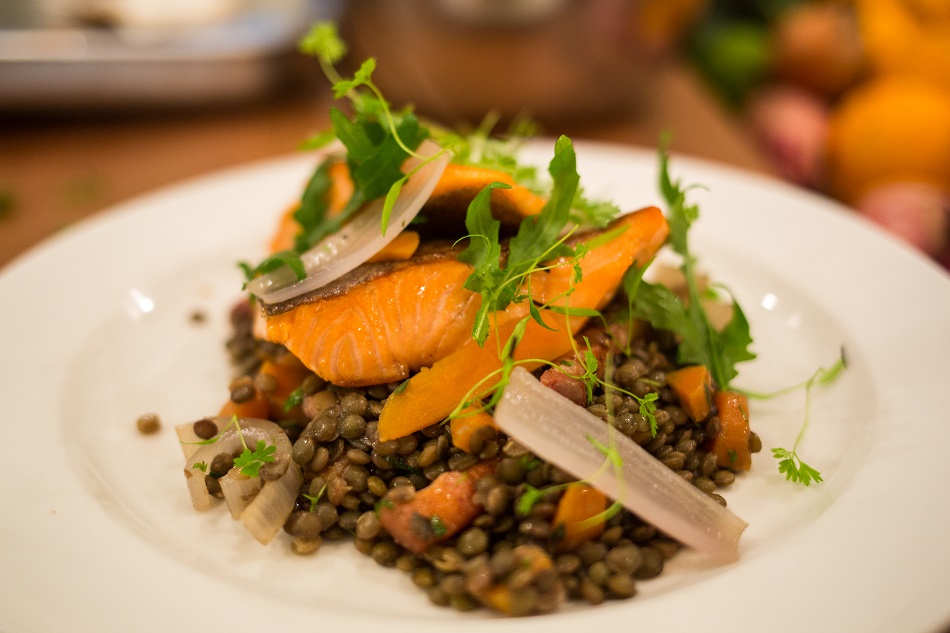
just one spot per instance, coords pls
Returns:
(383, 321)
(379, 322)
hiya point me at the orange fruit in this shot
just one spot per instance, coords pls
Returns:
(892, 128)
(909, 37)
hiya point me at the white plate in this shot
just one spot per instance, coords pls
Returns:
(98, 534)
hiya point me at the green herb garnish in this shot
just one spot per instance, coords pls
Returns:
(315, 499)
(294, 399)
(249, 462)
(288, 258)
(790, 463)
(529, 498)
(438, 525)
(499, 280)
(700, 342)
(377, 141)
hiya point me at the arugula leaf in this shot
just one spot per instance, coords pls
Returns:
(377, 143)
(483, 252)
(250, 462)
(538, 234)
(700, 343)
(283, 258)
(312, 212)
(318, 140)
(480, 149)
(658, 305)
(595, 213)
(538, 237)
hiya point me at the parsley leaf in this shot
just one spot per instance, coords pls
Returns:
(250, 462)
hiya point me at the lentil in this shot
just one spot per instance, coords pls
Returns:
(242, 393)
(148, 423)
(348, 472)
(205, 428)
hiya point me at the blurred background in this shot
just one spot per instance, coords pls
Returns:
(102, 100)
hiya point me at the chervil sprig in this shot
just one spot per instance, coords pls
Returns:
(790, 463)
(250, 462)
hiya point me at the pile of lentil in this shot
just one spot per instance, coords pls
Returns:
(348, 472)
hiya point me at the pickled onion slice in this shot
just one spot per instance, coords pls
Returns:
(360, 238)
(559, 431)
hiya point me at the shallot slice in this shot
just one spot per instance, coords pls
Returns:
(239, 490)
(266, 514)
(278, 482)
(360, 238)
(572, 438)
(187, 439)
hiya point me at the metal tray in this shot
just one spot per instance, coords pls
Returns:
(60, 66)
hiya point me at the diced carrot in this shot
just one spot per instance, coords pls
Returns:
(402, 247)
(341, 190)
(463, 426)
(437, 512)
(731, 445)
(286, 233)
(499, 596)
(566, 378)
(256, 407)
(459, 184)
(289, 373)
(693, 387)
(433, 393)
(580, 503)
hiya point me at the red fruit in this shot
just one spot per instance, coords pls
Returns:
(792, 125)
(915, 212)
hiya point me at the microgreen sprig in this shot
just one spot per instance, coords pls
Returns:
(790, 462)
(315, 499)
(249, 462)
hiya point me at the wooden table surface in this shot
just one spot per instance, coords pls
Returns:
(57, 171)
